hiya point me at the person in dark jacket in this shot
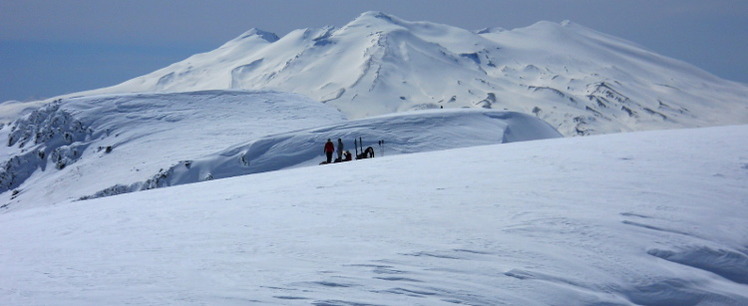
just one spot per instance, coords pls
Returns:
(329, 149)
(340, 150)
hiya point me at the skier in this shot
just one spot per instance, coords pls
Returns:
(340, 150)
(329, 149)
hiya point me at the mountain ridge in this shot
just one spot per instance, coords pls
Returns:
(109, 144)
(76, 146)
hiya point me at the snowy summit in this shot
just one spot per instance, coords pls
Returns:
(579, 80)
(203, 183)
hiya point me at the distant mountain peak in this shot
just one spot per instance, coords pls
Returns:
(490, 30)
(378, 20)
(377, 15)
(255, 32)
(380, 64)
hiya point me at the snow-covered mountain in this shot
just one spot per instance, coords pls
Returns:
(450, 211)
(579, 80)
(103, 145)
(652, 218)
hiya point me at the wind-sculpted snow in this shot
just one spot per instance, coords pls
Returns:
(46, 135)
(103, 145)
(654, 218)
(732, 265)
(401, 134)
(77, 146)
(580, 81)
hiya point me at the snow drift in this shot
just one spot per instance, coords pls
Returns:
(400, 134)
(75, 147)
(102, 145)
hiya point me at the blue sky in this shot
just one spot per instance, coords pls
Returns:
(53, 47)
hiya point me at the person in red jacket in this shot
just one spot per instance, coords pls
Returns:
(329, 149)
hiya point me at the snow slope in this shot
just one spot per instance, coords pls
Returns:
(655, 218)
(75, 147)
(103, 145)
(401, 134)
(580, 81)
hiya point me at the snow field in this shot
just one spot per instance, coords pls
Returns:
(653, 218)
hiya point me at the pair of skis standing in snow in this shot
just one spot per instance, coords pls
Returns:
(346, 155)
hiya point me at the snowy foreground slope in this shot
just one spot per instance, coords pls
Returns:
(577, 79)
(103, 145)
(654, 218)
